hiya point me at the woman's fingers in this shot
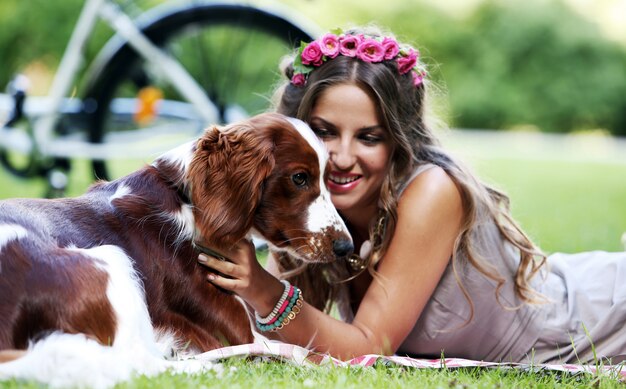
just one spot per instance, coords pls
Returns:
(238, 273)
(224, 267)
(231, 284)
(225, 274)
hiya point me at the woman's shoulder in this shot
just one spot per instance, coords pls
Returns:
(433, 195)
(427, 181)
(427, 169)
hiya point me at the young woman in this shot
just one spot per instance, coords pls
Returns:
(442, 266)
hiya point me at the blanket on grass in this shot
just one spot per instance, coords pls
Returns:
(270, 350)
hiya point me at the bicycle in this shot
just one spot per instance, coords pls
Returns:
(144, 92)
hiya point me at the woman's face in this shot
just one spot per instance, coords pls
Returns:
(344, 118)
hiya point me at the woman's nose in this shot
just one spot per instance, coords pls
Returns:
(341, 156)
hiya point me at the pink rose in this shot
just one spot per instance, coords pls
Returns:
(370, 50)
(298, 79)
(417, 78)
(330, 45)
(407, 62)
(348, 45)
(312, 54)
(391, 48)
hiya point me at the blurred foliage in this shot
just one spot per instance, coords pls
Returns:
(504, 65)
(541, 65)
(510, 64)
(34, 30)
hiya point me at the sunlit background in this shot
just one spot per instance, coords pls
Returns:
(549, 65)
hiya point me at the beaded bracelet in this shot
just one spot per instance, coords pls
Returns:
(290, 302)
(275, 312)
(285, 318)
(292, 315)
(291, 310)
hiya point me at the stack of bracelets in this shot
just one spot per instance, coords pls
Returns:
(285, 310)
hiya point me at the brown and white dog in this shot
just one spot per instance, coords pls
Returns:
(110, 279)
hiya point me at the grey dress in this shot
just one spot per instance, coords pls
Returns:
(587, 300)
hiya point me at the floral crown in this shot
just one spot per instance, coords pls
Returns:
(366, 48)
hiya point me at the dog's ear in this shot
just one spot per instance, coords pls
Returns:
(226, 177)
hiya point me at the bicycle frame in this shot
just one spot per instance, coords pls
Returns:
(43, 141)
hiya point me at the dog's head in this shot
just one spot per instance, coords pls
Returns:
(265, 175)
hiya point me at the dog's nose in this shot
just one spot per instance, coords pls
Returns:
(342, 248)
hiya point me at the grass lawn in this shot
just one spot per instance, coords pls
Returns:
(568, 192)
(239, 373)
(567, 197)
(564, 206)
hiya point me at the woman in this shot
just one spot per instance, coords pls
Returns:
(442, 266)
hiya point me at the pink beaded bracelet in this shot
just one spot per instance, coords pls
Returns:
(282, 301)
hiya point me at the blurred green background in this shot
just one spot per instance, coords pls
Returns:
(554, 65)
(537, 66)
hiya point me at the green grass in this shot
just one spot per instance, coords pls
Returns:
(11, 186)
(241, 373)
(565, 204)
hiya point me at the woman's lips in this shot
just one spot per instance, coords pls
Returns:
(340, 183)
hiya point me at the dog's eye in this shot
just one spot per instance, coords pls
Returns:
(300, 179)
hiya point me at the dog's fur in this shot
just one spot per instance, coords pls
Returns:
(116, 268)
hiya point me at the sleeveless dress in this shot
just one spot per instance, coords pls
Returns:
(585, 309)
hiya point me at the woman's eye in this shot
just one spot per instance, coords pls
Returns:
(322, 133)
(371, 139)
(300, 179)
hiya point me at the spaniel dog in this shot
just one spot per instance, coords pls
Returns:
(110, 280)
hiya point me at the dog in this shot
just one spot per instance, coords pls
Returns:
(115, 270)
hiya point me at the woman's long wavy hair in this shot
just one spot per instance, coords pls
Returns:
(401, 108)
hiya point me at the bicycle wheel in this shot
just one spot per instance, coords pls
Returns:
(232, 51)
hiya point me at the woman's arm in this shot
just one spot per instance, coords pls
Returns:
(429, 220)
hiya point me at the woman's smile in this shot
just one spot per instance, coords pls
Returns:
(342, 182)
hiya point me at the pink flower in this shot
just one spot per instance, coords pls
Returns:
(391, 48)
(348, 45)
(330, 45)
(298, 79)
(417, 78)
(407, 62)
(312, 54)
(370, 50)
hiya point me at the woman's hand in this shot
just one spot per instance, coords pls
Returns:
(243, 275)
